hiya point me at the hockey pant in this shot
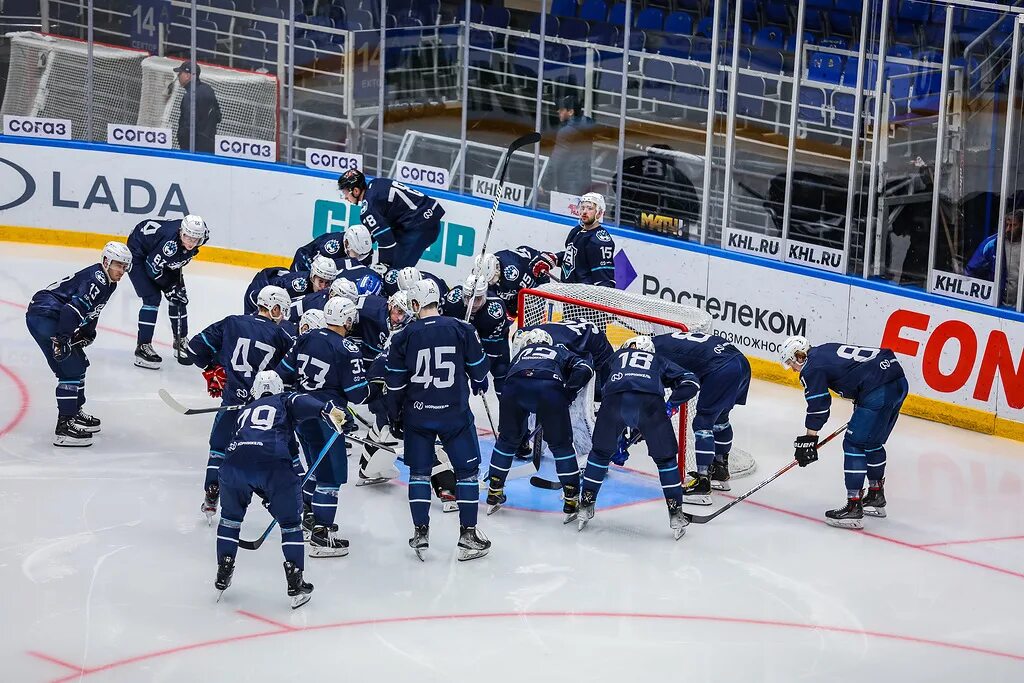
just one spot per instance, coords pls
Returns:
(70, 372)
(149, 291)
(549, 401)
(720, 391)
(874, 417)
(460, 442)
(279, 484)
(330, 474)
(646, 413)
(225, 424)
(412, 241)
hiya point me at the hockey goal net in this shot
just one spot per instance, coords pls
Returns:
(622, 315)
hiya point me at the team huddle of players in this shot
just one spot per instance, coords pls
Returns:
(346, 336)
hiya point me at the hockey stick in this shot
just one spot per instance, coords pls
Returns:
(697, 519)
(253, 545)
(517, 144)
(547, 484)
(185, 410)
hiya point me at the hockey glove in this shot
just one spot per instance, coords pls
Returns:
(61, 347)
(397, 428)
(83, 336)
(216, 380)
(622, 453)
(380, 268)
(335, 415)
(177, 295)
(480, 388)
(671, 408)
(806, 449)
(542, 264)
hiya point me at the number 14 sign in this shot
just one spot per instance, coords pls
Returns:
(145, 19)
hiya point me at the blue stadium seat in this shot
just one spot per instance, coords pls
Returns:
(843, 23)
(594, 10)
(835, 42)
(305, 53)
(572, 29)
(659, 77)
(821, 4)
(751, 11)
(675, 46)
(563, 8)
(602, 33)
(680, 23)
(364, 18)
(901, 51)
(850, 6)
(550, 25)
(812, 105)
(769, 38)
(426, 10)
(776, 12)
(700, 49)
(750, 101)
(809, 39)
(768, 61)
(927, 86)
(814, 20)
(691, 5)
(496, 16)
(849, 77)
(252, 50)
(617, 15)
(899, 85)
(650, 19)
(476, 13)
(525, 57)
(915, 10)
(691, 89)
(843, 107)
(22, 8)
(825, 67)
(705, 27)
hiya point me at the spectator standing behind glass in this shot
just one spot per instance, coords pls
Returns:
(571, 160)
(207, 109)
(983, 263)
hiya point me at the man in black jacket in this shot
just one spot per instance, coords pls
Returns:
(207, 110)
(569, 169)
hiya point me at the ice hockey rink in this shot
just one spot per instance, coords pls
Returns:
(107, 565)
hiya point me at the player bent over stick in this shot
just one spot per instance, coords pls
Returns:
(428, 398)
(259, 459)
(634, 397)
(875, 381)
(543, 379)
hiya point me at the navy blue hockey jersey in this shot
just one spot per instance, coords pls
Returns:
(296, 283)
(266, 428)
(552, 362)
(314, 301)
(515, 274)
(699, 353)
(156, 246)
(243, 345)
(427, 367)
(850, 371)
(588, 257)
(491, 322)
(391, 282)
(648, 373)
(389, 208)
(329, 244)
(76, 301)
(371, 330)
(327, 365)
(582, 338)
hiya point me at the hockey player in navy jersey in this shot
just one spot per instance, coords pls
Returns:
(403, 221)
(874, 380)
(634, 397)
(372, 325)
(260, 460)
(508, 272)
(231, 352)
(316, 301)
(724, 375)
(402, 280)
(297, 283)
(62, 320)
(543, 380)
(428, 364)
(488, 317)
(330, 367)
(161, 249)
(589, 249)
(355, 244)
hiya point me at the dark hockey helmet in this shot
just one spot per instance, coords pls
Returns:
(351, 179)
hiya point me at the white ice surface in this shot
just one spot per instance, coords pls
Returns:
(106, 565)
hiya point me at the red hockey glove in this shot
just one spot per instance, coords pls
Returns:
(216, 380)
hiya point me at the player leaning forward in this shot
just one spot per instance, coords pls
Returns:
(62, 319)
(428, 364)
(161, 249)
(874, 380)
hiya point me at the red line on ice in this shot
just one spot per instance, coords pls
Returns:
(535, 615)
(112, 330)
(59, 662)
(266, 620)
(23, 400)
(973, 540)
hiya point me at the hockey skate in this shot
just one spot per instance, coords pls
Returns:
(86, 422)
(698, 492)
(472, 543)
(677, 519)
(181, 351)
(495, 499)
(209, 506)
(224, 571)
(325, 542)
(585, 513)
(420, 541)
(298, 590)
(874, 502)
(449, 503)
(146, 357)
(570, 503)
(69, 434)
(368, 477)
(308, 521)
(849, 517)
(719, 474)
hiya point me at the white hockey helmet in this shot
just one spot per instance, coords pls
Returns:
(357, 240)
(597, 200)
(116, 251)
(266, 382)
(791, 347)
(323, 268)
(488, 268)
(640, 343)
(344, 287)
(271, 296)
(424, 293)
(313, 319)
(194, 226)
(474, 287)
(340, 312)
(524, 338)
(407, 277)
(399, 301)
